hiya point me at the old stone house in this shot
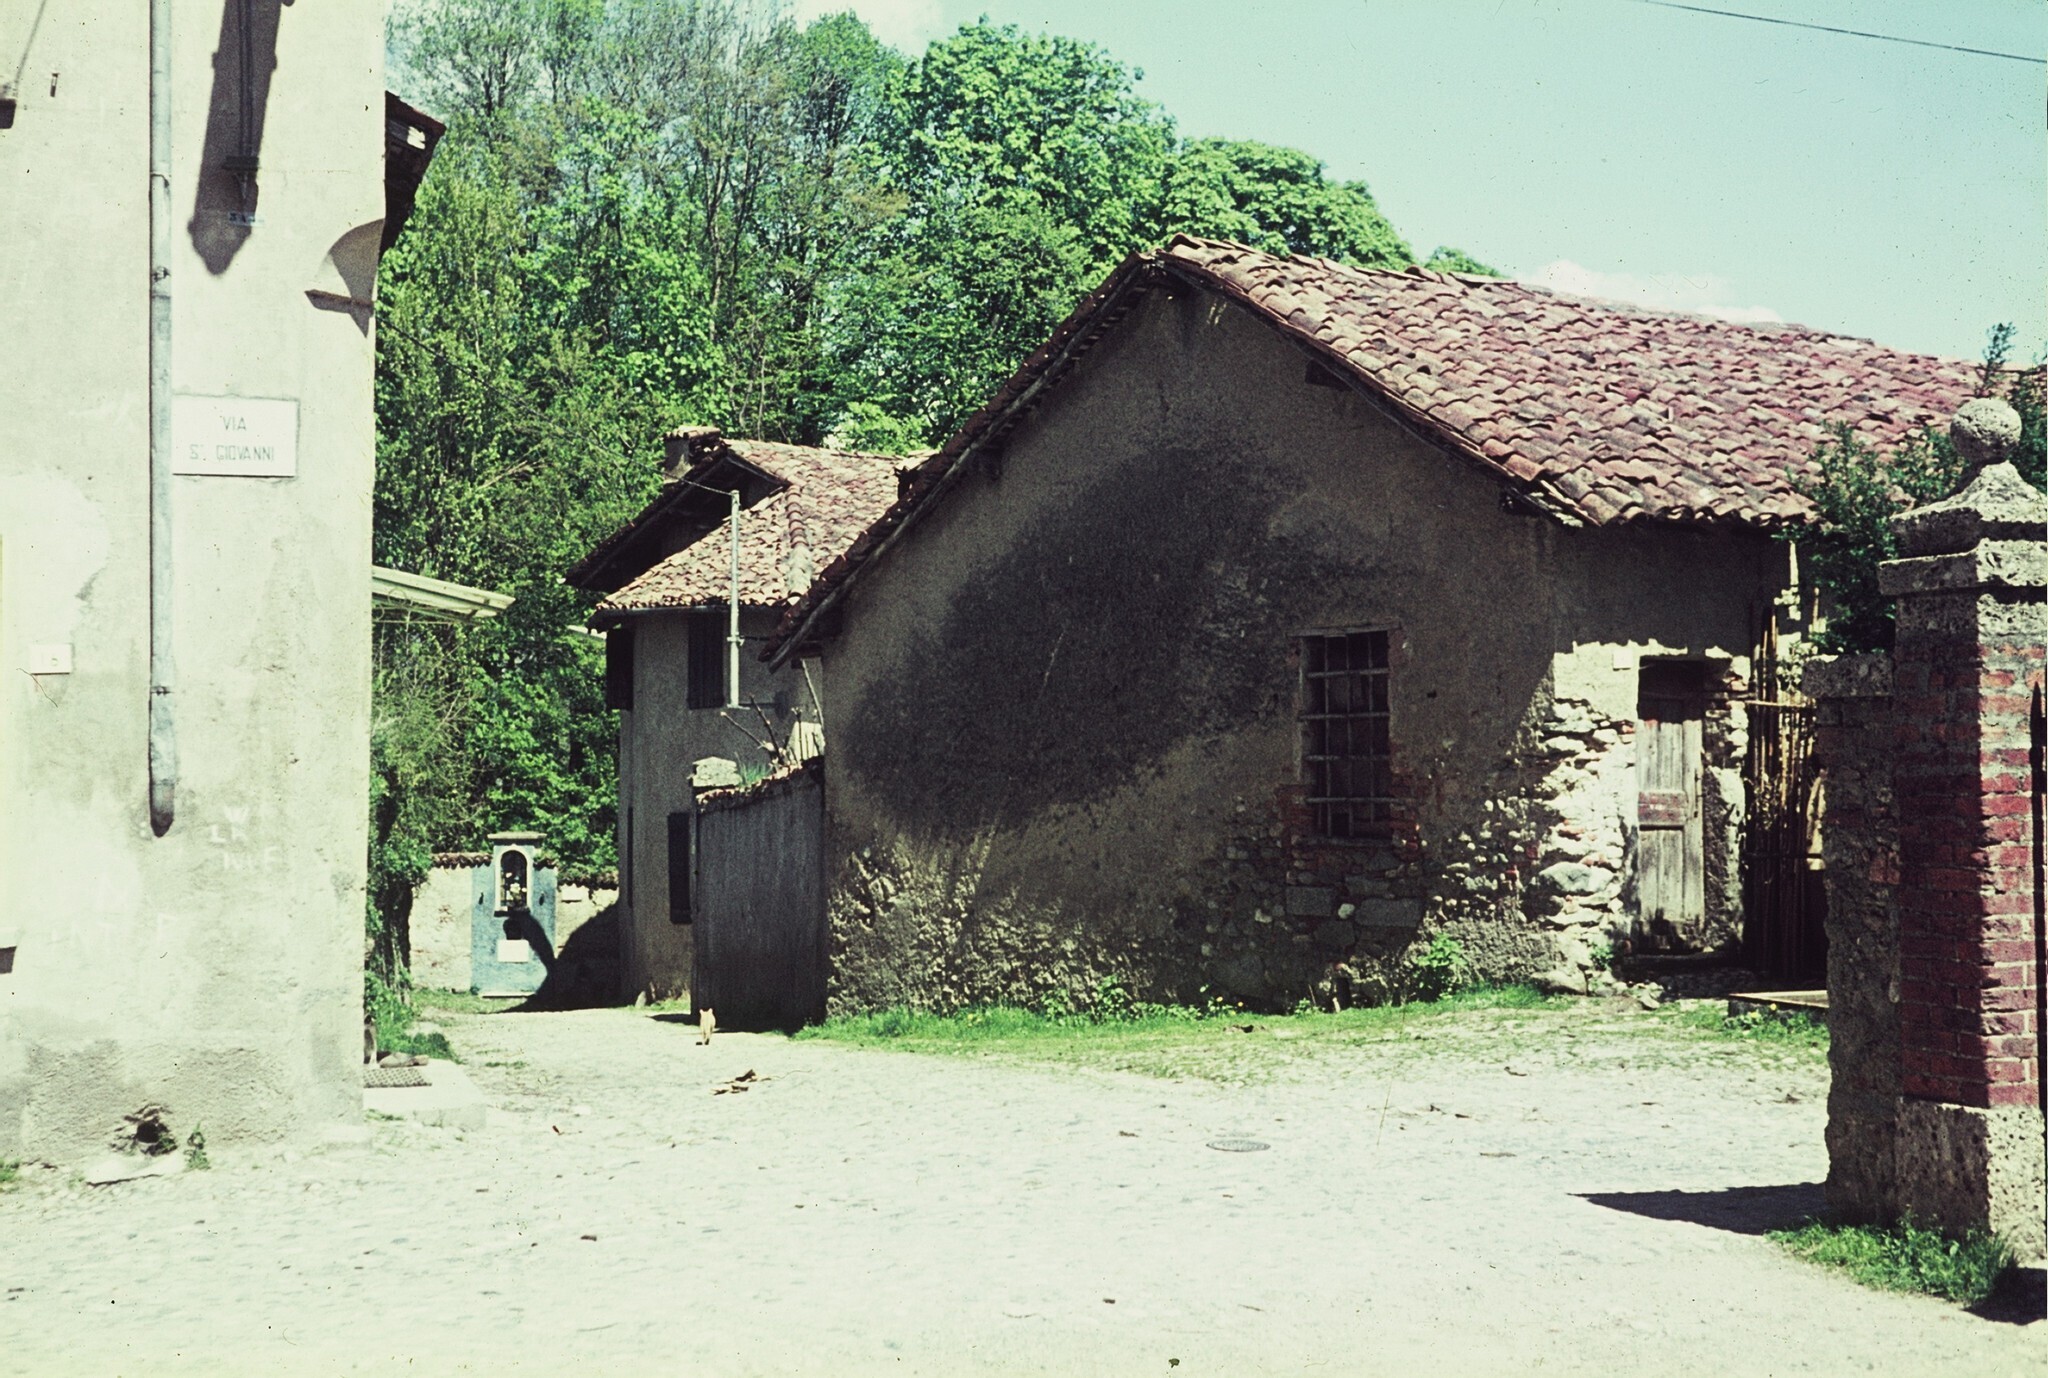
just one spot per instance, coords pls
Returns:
(667, 581)
(1278, 617)
(187, 442)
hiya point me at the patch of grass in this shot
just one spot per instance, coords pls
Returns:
(1162, 1040)
(1477, 1027)
(988, 1024)
(195, 1151)
(393, 1011)
(1790, 1028)
(1905, 1258)
(10, 1174)
(456, 1002)
(424, 1044)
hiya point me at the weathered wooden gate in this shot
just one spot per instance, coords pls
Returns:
(759, 903)
(1671, 871)
(1784, 899)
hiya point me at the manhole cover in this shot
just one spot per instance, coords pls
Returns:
(1238, 1145)
(388, 1077)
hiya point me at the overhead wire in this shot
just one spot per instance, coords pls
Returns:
(1853, 33)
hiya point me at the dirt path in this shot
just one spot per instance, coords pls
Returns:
(860, 1212)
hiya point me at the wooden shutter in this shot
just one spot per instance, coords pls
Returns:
(618, 668)
(707, 659)
(679, 868)
(1670, 843)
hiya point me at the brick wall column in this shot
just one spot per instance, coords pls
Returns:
(1969, 585)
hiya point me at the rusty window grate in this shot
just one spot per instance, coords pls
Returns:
(1346, 758)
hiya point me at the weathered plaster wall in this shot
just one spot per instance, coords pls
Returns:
(660, 739)
(216, 970)
(1062, 723)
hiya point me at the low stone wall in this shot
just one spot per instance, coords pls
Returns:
(1859, 842)
(439, 959)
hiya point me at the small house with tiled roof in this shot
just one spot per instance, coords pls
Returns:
(1278, 618)
(667, 578)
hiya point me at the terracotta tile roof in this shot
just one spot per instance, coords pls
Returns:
(828, 498)
(1611, 412)
(1594, 412)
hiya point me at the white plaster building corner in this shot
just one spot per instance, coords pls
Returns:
(210, 966)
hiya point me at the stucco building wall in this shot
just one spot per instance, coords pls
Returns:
(660, 739)
(217, 969)
(1063, 727)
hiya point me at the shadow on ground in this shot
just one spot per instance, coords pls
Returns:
(2018, 1299)
(584, 974)
(1744, 1210)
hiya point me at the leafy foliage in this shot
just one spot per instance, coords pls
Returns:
(1022, 168)
(1025, 168)
(1440, 968)
(1445, 259)
(1277, 200)
(1906, 1258)
(1856, 491)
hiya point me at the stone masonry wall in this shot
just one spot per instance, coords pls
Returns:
(1853, 743)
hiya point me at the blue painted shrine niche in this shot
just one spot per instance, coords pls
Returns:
(512, 918)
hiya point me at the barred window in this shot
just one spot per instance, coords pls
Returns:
(1345, 756)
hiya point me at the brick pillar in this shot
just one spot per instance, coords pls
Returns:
(1969, 585)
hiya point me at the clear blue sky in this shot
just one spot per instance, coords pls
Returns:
(1683, 159)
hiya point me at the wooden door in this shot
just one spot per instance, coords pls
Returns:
(1671, 872)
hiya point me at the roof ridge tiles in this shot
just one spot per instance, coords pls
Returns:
(1524, 380)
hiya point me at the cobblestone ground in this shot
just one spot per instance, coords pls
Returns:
(1592, 1210)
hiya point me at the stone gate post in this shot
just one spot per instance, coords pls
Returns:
(1969, 584)
(1852, 697)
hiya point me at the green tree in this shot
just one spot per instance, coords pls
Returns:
(1277, 200)
(1446, 259)
(1856, 490)
(1026, 167)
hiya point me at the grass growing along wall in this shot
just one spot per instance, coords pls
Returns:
(1475, 1027)
(1905, 1258)
(999, 1024)
(1790, 1028)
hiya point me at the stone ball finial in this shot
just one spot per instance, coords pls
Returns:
(1985, 430)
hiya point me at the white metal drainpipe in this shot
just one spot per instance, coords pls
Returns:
(732, 634)
(163, 737)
